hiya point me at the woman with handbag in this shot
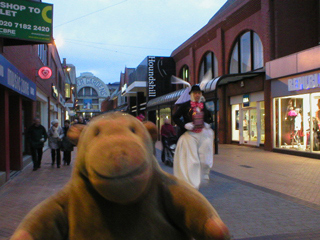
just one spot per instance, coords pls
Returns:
(55, 134)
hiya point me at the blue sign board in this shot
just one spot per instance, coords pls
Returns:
(246, 100)
(12, 78)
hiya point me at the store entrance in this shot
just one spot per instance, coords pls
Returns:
(250, 129)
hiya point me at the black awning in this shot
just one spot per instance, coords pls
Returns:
(165, 99)
(228, 78)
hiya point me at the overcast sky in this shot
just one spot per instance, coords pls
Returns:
(105, 36)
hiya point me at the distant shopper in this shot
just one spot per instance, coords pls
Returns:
(67, 146)
(81, 120)
(36, 136)
(166, 131)
(55, 134)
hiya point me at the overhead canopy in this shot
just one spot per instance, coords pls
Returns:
(168, 98)
(133, 88)
(229, 78)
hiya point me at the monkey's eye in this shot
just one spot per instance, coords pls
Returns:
(132, 129)
(96, 132)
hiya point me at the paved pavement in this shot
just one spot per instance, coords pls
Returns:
(259, 195)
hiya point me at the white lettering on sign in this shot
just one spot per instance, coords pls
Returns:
(151, 79)
(17, 83)
(304, 82)
(12, 6)
(97, 84)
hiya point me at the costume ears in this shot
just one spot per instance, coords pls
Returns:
(74, 133)
(152, 129)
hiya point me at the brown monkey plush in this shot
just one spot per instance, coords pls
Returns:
(118, 191)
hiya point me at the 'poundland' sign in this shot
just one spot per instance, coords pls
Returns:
(304, 82)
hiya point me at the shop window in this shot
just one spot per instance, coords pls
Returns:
(247, 54)
(184, 73)
(43, 53)
(208, 65)
(87, 92)
(294, 117)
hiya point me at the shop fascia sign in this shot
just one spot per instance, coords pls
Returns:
(62, 100)
(152, 84)
(95, 83)
(246, 100)
(12, 78)
(309, 81)
(26, 20)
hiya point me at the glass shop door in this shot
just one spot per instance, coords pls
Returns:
(249, 127)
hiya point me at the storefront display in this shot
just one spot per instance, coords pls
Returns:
(297, 122)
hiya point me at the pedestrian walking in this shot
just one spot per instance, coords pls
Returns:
(55, 134)
(67, 146)
(193, 157)
(81, 120)
(36, 137)
(166, 131)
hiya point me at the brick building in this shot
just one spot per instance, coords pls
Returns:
(232, 49)
(24, 93)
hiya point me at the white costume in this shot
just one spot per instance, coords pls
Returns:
(193, 156)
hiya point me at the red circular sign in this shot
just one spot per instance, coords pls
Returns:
(45, 73)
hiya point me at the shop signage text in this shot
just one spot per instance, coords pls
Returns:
(95, 83)
(151, 79)
(27, 20)
(12, 78)
(304, 82)
(246, 100)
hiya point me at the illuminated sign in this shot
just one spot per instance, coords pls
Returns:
(55, 92)
(27, 20)
(246, 100)
(304, 82)
(45, 73)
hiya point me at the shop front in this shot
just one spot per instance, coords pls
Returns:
(247, 119)
(17, 96)
(296, 111)
(295, 94)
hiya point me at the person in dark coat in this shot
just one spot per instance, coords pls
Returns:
(193, 156)
(36, 136)
(55, 134)
(67, 146)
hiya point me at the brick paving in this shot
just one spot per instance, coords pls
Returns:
(259, 195)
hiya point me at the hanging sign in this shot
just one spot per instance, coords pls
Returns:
(45, 73)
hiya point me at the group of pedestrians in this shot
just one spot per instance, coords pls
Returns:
(58, 141)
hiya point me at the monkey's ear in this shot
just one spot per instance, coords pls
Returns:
(152, 129)
(74, 133)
